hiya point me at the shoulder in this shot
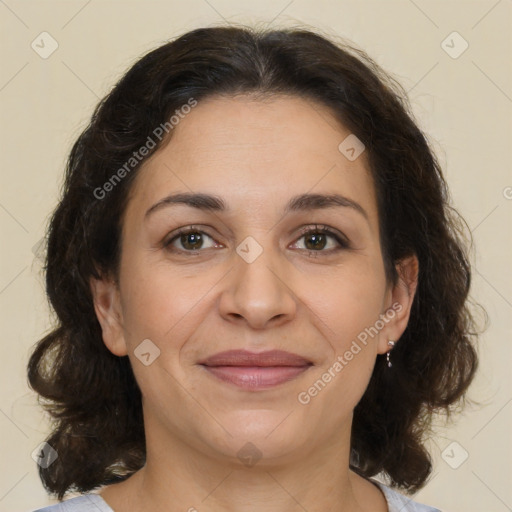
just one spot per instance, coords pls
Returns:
(398, 502)
(94, 503)
(84, 503)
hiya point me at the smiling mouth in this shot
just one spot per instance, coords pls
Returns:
(256, 371)
(256, 377)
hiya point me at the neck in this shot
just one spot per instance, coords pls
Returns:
(180, 477)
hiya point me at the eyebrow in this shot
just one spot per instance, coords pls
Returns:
(302, 202)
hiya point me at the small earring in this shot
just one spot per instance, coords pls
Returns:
(391, 344)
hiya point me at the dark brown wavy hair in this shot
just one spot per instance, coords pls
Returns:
(92, 395)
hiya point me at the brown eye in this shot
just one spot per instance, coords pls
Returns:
(191, 241)
(188, 240)
(317, 240)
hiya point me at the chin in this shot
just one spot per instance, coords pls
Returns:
(260, 435)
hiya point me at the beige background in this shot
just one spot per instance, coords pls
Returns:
(465, 104)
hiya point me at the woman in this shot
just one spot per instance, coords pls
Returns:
(260, 285)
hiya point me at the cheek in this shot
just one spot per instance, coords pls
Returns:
(348, 306)
(162, 303)
(347, 310)
(348, 302)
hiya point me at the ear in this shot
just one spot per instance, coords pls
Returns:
(107, 305)
(398, 303)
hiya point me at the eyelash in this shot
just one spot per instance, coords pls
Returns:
(343, 243)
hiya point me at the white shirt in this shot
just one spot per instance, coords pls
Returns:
(95, 503)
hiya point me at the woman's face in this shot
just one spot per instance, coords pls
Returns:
(248, 278)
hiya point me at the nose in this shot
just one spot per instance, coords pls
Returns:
(259, 293)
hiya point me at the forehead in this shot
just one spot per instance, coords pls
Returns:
(254, 152)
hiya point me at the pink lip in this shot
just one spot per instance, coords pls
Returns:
(257, 377)
(246, 358)
(253, 371)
